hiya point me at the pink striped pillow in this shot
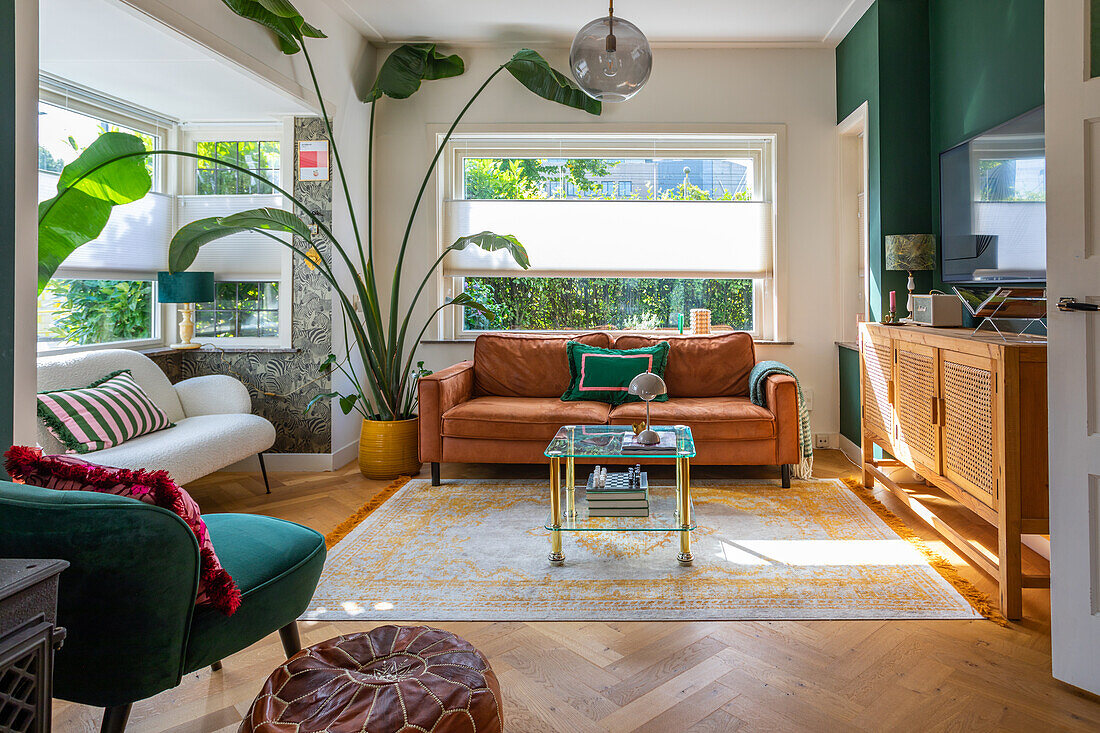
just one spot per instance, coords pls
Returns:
(106, 413)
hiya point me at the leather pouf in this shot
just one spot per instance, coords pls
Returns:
(389, 679)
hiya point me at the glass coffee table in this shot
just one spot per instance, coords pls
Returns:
(670, 508)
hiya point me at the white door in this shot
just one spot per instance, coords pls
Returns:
(1073, 270)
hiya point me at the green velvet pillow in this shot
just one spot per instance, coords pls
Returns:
(603, 375)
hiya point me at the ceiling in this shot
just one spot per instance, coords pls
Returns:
(695, 22)
(102, 45)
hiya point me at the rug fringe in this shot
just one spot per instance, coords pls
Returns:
(364, 511)
(976, 598)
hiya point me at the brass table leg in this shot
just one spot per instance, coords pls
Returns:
(555, 557)
(570, 490)
(683, 509)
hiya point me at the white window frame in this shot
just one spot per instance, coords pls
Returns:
(284, 133)
(61, 93)
(482, 141)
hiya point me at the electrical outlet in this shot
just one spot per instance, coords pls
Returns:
(808, 398)
(821, 440)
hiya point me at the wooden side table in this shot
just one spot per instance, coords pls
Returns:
(28, 637)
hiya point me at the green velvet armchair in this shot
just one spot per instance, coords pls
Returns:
(127, 599)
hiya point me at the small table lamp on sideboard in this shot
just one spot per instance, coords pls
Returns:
(187, 288)
(910, 252)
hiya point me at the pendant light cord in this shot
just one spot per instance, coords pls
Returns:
(611, 42)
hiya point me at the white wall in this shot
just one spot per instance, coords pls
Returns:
(792, 87)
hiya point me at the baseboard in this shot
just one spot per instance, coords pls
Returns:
(852, 450)
(299, 462)
(345, 455)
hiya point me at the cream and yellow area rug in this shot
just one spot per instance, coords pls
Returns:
(476, 550)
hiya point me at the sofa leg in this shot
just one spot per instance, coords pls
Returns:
(263, 470)
(216, 666)
(114, 718)
(785, 472)
(292, 643)
(435, 474)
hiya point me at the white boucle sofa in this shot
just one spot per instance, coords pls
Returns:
(214, 427)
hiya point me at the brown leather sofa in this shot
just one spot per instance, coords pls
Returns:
(505, 405)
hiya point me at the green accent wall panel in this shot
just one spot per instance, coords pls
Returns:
(857, 81)
(7, 222)
(884, 61)
(849, 394)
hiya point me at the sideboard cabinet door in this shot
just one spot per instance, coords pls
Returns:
(969, 424)
(916, 404)
(877, 385)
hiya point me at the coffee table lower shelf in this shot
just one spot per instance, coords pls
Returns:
(665, 515)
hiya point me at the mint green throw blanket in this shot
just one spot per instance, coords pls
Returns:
(757, 393)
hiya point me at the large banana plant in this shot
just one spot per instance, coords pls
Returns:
(110, 172)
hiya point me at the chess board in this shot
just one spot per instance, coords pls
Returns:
(618, 481)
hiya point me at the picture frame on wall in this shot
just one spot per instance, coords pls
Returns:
(313, 160)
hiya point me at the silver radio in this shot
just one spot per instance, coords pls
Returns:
(937, 310)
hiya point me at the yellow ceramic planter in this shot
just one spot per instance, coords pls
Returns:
(388, 448)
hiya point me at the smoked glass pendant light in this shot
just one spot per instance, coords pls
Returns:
(610, 58)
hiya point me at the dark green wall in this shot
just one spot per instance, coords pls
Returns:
(986, 67)
(849, 394)
(884, 61)
(7, 221)
(934, 73)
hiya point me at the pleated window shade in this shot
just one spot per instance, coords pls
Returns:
(570, 238)
(240, 256)
(134, 242)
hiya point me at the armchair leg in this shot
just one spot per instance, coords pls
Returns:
(435, 474)
(263, 470)
(292, 643)
(785, 472)
(216, 666)
(114, 718)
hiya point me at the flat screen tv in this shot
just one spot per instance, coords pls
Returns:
(993, 205)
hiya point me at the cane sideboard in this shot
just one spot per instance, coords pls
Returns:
(968, 413)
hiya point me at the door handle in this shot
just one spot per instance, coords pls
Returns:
(1072, 304)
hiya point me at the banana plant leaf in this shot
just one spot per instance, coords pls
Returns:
(469, 301)
(185, 246)
(410, 64)
(280, 17)
(88, 188)
(491, 242)
(534, 72)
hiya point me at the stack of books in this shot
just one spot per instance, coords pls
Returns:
(622, 494)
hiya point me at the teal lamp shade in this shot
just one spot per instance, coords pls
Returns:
(910, 252)
(185, 287)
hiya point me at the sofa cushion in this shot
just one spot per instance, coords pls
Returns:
(276, 564)
(710, 418)
(715, 365)
(526, 365)
(519, 418)
(604, 375)
(106, 413)
(197, 446)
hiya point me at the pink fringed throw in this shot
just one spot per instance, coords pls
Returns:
(66, 473)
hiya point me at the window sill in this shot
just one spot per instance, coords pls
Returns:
(160, 350)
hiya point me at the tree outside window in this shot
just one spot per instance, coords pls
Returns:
(259, 156)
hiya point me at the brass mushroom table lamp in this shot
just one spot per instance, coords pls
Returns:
(648, 386)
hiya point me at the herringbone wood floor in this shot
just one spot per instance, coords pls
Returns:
(672, 677)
